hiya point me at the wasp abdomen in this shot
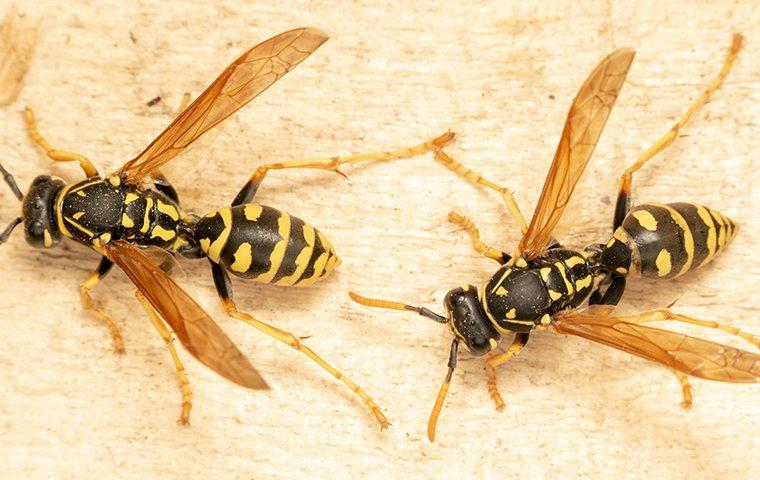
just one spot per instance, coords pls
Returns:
(263, 243)
(666, 241)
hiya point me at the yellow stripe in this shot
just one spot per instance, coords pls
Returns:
(569, 286)
(146, 220)
(278, 252)
(252, 211)
(319, 265)
(646, 219)
(167, 209)
(712, 238)
(84, 185)
(89, 233)
(127, 221)
(59, 211)
(503, 276)
(162, 233)
(302, 260)
(583, 282)
(688, 238)
(214, 250)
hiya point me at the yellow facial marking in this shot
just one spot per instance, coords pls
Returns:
(126, 221)
(278, 252)
(214, 250)
(545, 273)
(501, 291)
(114, 180)
(146, 221)
(573, 261)
(688, 238)
(162, 233)
(555, 295)
(663, 263)
(646, 219)
(77, 215)
(252, 211)
(583, 282)
(169, 210)
(512, 313)
(48, 238)
(243, 258)
(131, 197)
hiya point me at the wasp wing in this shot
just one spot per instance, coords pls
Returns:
(687, 354)
(200, 335)
(248, 76)
(585, 121)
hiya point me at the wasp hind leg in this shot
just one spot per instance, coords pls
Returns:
(224, 289)
(477, 244)
(84, 294)
(686, 389)
(506, 194)
(332, 164)
(495, 360)
(56, 155)
(184, 383)
(624, 189)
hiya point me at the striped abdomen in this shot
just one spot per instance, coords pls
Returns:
(666, 241)
(263, 243)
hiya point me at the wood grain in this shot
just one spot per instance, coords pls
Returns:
(501, 75)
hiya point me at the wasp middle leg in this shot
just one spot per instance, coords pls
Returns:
(56, 155)
(84, 293)
(249, 190)
(495, 360)
(224, 289)
(184, 383)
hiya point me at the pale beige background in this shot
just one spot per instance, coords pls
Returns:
(502, 76)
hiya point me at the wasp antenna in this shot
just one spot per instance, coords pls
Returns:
(374, 302)
(8, 230)
(11, 183)
(433, 421)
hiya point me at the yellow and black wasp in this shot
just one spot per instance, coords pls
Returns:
(135, 207)
(542, 285)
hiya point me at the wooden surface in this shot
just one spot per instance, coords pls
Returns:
(501, 75)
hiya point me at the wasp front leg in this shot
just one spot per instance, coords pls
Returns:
(56, 155)
(84, 293)
(477, 244)
(332, 164)
(495, 360)
(506, 194)
(224, 289)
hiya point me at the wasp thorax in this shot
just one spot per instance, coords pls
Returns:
(40, 227)
(469, 321)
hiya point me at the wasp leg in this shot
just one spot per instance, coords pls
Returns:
(184, 383)
(84, 294)
(506, 194)
(660, 314)
(686, 389)
(624, 189)
(224, 289)
(56, 155)
(477, 244)
(612, 294)
(249, 190)
(495, 360)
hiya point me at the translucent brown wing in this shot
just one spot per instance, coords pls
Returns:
(248, 76)
(200, 335)
(585, 121)
(690, 355)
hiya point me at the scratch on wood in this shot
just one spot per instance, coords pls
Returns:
(17, 40)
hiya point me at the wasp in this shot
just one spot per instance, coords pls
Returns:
(542, 286)
(125, 214)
